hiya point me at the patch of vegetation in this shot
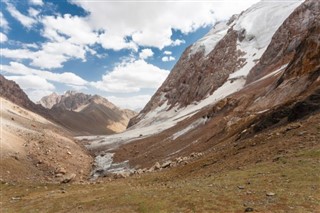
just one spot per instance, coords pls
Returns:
(292, 187)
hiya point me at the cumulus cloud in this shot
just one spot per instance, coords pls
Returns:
(33, 12)
(167, 52)
(66, 77)
(51, 55)
(32, 82)
(36, 2)
(75, 29)
(109, 41)
(113, 25)
(146, 53)
(118, 19)
(26, 21)
(178, 42)
(150, 24)
(36, 94)
(69, 38)
(168, 58)
(34, 86)
(136, 102)
(3, 38)
(4, 23)
(132, 76)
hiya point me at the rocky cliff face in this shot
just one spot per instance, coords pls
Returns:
(248, 42)
(50, 100)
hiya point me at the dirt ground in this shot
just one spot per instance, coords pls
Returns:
(275, 171)
(35, 150)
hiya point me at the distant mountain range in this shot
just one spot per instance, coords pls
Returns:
(79, 113)
(76, 110)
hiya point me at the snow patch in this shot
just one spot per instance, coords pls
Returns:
(161, 119)
(263, 19)
(211, 39)
(274, 73)
(192, 126)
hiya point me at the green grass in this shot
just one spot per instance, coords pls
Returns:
(294, 179)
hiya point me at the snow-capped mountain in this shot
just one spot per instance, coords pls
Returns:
(259, 69)
(227, 53)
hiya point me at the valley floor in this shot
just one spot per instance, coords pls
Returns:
(294, 180)
(285, 179)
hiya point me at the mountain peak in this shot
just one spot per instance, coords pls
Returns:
(71, 92)
(228, 53)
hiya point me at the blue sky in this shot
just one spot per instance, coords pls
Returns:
(122, 50)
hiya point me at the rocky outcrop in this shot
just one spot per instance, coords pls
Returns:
(288, 42)
(50, 100)
(252, 41)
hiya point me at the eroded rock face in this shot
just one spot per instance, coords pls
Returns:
(238, 48)
(290, 39)
(282, 87)
(50, 100)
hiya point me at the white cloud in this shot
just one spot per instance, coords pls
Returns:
(51, 55)
(167, 52)
(3, 38)
(75, 29)
(178, 42)
(3, 23)
(150, 24)
(36, 2)
(116, 43)
(23, 19)
(16, 53)
(132, 76)
(34, 86)
(36, 94)
(30, 45)
(66, 77)
(168, 58)
(225, 9)
(31, 82)
(33, 12)
(146, 53)
(133, 102)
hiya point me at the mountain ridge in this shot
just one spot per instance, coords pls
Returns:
(245, 91)
(200, 72)
(103, 116)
